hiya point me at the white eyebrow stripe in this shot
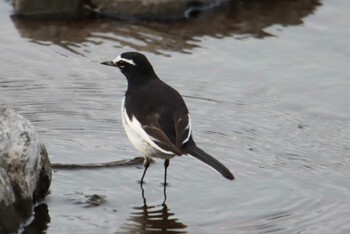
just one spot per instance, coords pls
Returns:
(117, 59)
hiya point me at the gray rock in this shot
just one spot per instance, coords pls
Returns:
(25, 170)
(94, 200)
(120, 9)
(153, 9)
(239, 19)
(49, 8)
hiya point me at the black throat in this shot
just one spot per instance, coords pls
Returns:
(140, 75)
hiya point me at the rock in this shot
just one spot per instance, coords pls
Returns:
(95, 200)
(120, 9)
(25, 170)
(239, 19)
(153, 9)
(50, 8)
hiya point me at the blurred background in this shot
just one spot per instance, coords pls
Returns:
(268, 87)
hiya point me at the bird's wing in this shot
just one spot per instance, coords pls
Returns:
(159, 137)
(183, 129)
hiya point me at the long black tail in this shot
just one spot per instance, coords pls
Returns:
(210, 161)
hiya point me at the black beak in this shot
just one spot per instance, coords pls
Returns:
(109, 63)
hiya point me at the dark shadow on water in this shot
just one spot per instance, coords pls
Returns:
(11, 220)
(40, 222)
(240, 19)
(152, 219)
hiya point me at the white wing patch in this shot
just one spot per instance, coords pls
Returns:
(140, 139)
(189, 127)
(119, 58)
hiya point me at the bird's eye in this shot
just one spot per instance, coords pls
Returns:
(121, 64)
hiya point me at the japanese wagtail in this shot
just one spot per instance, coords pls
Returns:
(155, 117)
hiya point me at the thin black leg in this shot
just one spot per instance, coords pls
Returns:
(143, 195)
(166, 164)
(164, 192)
(146, 165)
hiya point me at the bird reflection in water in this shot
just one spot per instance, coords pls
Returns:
(153, 219)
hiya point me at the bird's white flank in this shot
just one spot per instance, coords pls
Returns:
(119, 58)
(139, 138)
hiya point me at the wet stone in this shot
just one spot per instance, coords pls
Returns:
(119, 9)
(154, 9)
(95, 200)
(25, 170)
(49, 8)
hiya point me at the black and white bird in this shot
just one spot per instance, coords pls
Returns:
(155, 117)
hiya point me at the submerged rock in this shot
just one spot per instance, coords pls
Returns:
(95, 200)
(25, 170)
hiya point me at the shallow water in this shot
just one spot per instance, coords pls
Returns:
(268, 88)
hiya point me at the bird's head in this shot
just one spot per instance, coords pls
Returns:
(134, 65)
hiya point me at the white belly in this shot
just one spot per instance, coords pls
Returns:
(140, 139)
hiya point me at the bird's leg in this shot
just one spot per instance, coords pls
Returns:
(166, 164)
(164, 192)
(143, 195)
(146, 163)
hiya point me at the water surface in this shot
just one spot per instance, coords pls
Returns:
(268, 89)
